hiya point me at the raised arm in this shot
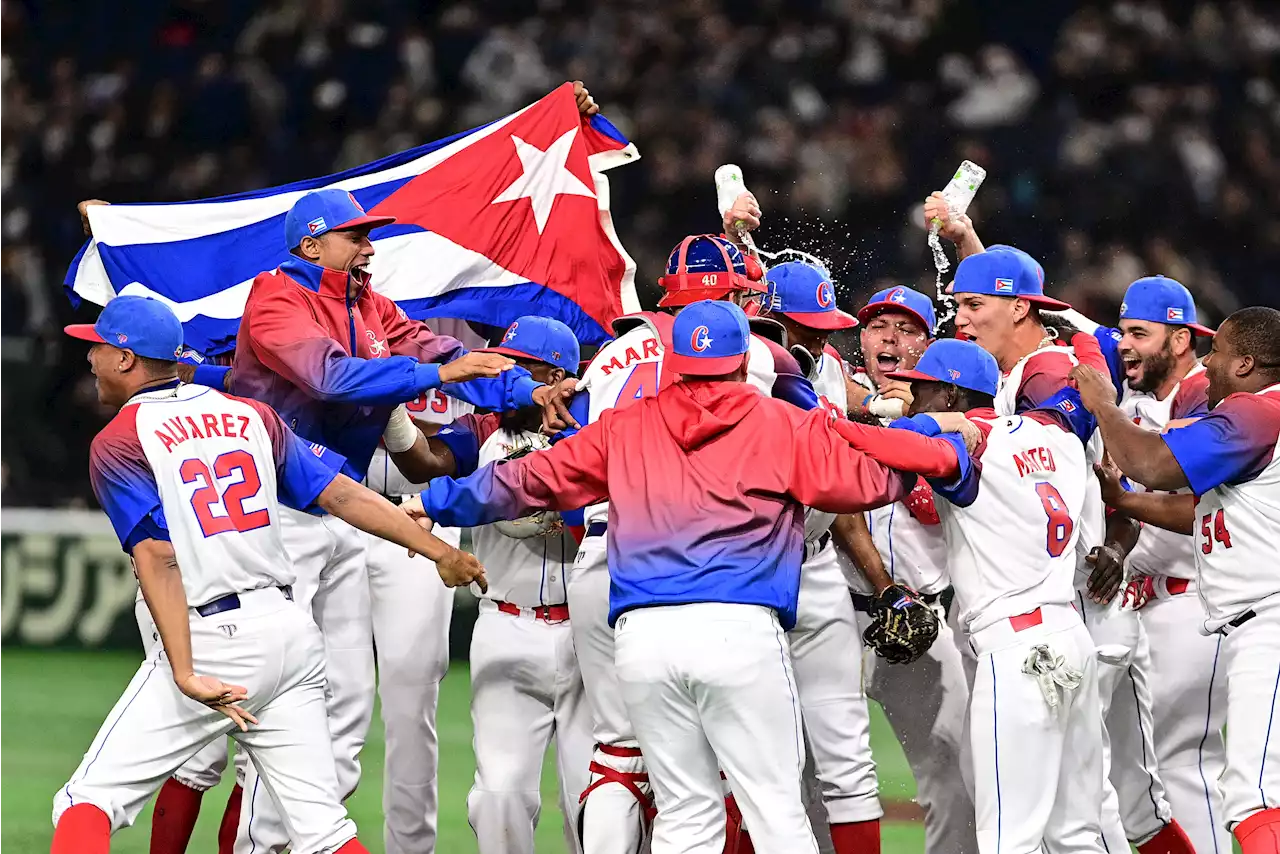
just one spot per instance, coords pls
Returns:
(829, 472)
(850, 534)
(1141, 454)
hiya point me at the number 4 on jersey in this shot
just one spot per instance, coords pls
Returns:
(1060, 526)
(642, 382)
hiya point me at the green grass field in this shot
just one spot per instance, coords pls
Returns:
(56, 700)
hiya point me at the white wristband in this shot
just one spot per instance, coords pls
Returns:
(401, 432)
(886, 407)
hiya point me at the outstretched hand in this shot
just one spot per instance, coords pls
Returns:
(475, 365)
(554, 400)
(1096, 390)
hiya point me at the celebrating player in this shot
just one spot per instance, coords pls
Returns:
(903, 544)
(1000, 297)
(525, 683)
(1010, 515)
(705, 545)
(1229, 463)
(191, 479)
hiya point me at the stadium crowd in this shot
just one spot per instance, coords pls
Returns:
(1119, 136)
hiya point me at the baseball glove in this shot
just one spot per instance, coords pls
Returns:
(902, 627)
(544, 523)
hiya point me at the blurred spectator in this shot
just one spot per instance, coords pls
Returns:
(1122, 137)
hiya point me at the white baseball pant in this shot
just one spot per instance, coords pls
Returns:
(925, 702)
(333, 586)
(709, 687)
(1189, 708)
(1251, 657)
(525, 690)
(204, 770)
(1038, 770)
(825, 655)
(412, 610)
(1134, 806)
(275, 651)
(613, 815)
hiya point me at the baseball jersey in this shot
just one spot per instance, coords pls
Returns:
(908, 534)
(207, 471)
(1161, 552)
(525, 572)
(1011, 517)
(1230, 460)
(630, 368)
(433, 407)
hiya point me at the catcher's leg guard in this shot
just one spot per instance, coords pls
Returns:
(621, 802)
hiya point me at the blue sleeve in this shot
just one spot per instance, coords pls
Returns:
(460, 503)
(464, 444)
(151, 527)
(961, 490)
(1067, 404)
(509, 390)
(122, 480)
(580, 409)
(574, 518)
(795, 390)
(211, 376)
(302, 473)
(1226, 446)
(1109, 344)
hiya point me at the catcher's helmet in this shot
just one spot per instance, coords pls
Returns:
(706, 266)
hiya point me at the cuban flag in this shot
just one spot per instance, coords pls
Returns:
(508, 219)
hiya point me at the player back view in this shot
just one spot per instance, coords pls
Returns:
(192, 481)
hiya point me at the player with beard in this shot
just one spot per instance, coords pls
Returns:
(903, 543)
(1000, 297)
(526, 687)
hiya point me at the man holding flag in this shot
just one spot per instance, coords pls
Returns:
(508, 215)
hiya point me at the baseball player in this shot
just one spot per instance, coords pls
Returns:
(525, 684)
(1228, 460)
(1010, 515)
(191, 479)
(334, 358)
(1163, 383)
(828, 677)
(1000, 295)
(616, 807)
(903, 544)
(706, 540)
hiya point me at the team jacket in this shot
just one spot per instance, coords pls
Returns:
(335, 367)
(707, 485)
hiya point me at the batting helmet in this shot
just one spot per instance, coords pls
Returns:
(706, 266)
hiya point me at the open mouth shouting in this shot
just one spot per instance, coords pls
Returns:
(360, 272)
(887, 361)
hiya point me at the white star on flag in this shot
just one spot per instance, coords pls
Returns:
(545, 177)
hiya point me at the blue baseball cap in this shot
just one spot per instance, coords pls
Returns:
(803, 293)
(708, 338)
(543, 339)
(961, 363)
(326, 210)
(1161, 300)
(901, 299)
(141, 324)
(1004, 271)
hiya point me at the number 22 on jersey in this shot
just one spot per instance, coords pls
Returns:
(220, 508)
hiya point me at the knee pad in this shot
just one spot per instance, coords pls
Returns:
(621, 774)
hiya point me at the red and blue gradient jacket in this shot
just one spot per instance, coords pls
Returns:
(335, 367)
(707, 484)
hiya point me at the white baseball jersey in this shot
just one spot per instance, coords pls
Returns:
(207, 471)
(526, 572)
(1012, 519)
(1161, 552)
(630, 367)
(1230, 459)
(828, 380)
(908, 534)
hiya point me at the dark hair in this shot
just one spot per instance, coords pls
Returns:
(967, 398)
(157, 367)
(1255, 331)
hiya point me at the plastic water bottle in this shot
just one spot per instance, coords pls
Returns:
(958, 193)
(729, 185)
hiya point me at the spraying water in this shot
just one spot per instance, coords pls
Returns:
(958, 193)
